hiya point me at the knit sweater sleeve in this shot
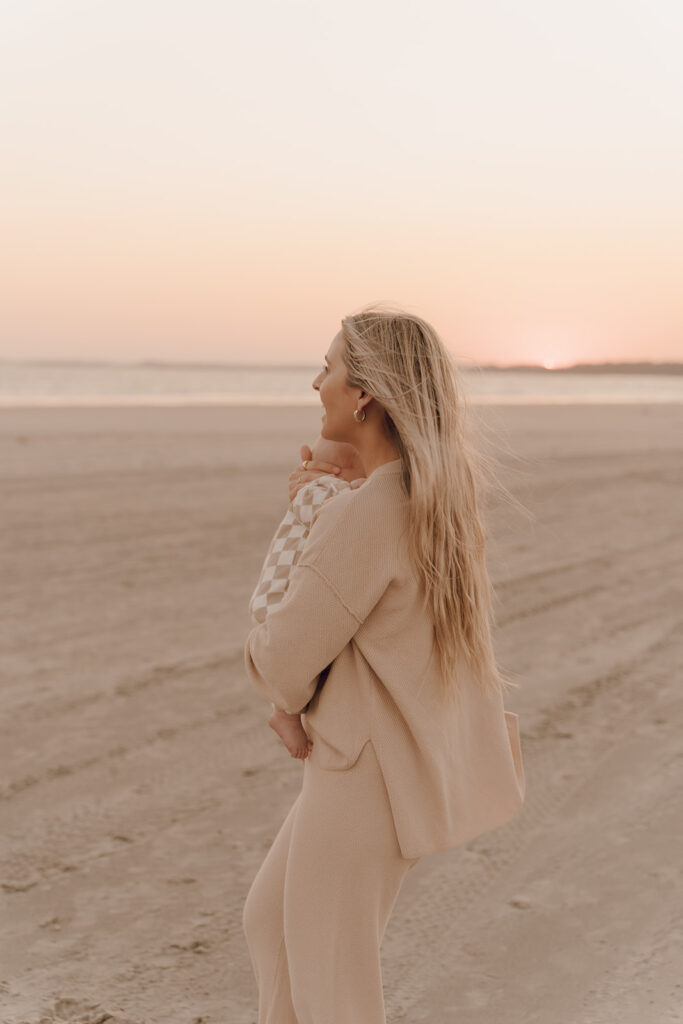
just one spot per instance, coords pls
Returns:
(331, 591)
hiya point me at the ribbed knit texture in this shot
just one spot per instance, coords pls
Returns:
(353, 604)
(316, 912)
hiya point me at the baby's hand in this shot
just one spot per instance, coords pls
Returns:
(358, 482)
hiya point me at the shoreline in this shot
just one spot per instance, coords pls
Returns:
(145, 402)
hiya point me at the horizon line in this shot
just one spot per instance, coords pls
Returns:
(634, 366)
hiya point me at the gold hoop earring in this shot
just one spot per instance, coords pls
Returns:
(357, 418)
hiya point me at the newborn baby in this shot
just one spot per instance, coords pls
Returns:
(291, 538)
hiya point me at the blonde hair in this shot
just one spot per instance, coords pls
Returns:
(400, 360)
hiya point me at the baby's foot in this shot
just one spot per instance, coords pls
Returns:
(292, 733)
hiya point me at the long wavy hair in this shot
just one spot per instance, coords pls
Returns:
(401, 361)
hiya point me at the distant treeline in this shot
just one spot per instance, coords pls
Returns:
(659, 368)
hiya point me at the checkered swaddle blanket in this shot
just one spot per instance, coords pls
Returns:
(288, 543)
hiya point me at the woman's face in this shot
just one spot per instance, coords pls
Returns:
(338, 399)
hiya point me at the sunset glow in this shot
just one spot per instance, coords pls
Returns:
(225, 184)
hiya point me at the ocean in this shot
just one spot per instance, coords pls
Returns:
(103, 384)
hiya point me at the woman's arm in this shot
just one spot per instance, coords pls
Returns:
(285, 655)
(341, 575)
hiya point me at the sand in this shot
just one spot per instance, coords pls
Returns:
(141, 786)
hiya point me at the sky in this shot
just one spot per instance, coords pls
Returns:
(221, 182)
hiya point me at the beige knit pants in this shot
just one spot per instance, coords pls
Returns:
(319, 904)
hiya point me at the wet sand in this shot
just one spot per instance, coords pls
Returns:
(141, 786)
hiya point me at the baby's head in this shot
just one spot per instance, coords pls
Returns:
(341, 454)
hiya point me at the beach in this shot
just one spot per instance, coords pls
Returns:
(141, 786)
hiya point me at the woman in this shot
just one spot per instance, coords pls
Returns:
(383, 642)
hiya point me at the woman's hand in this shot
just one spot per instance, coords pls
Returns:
(300, 476)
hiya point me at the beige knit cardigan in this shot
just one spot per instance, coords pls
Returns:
(351, 646)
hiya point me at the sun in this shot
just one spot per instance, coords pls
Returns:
(551, 346)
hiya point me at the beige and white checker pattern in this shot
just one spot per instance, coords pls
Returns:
(288, 543)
